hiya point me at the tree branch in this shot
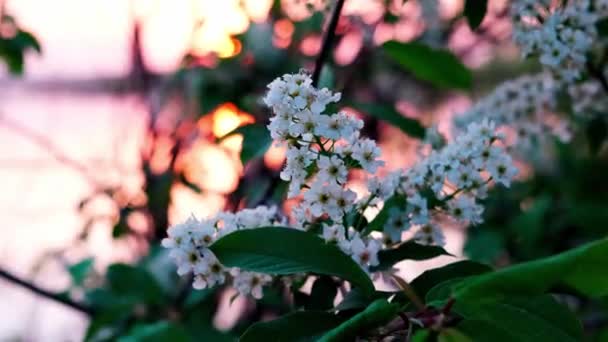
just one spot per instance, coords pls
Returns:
(330, 34)
(46, 294)
(45, 143)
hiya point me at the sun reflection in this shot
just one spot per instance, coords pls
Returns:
(226, 118)
(219, 21)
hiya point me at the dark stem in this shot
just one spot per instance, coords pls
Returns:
(330, 34)
(46, 294)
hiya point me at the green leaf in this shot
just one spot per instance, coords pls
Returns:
(327, 79)
(256, 141)
(526, 319)
(388, 114)
(439, 67)
(582, 269)
(457, 270)
(26, 40)
(475, 11)
(279, 250)
(408, 250)
(296, 326)
(376, 314)
(322, 295)
(452, 335)
(131, 281)
(80, 271)
(484, 245)
(355, 299)
(156, 332)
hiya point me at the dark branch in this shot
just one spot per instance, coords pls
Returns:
(46, 294)
(330, 34)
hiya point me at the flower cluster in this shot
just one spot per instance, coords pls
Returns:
(322, 150)
(523, 105)
(449, 182)
(561, 35)
(588, 97)
(189, 243)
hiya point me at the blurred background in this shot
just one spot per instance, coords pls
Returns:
(110, 127)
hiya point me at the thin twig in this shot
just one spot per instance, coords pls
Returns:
(46, 294)
(409, 292)
(45, 143)
(330, 34)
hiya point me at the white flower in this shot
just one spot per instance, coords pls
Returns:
(397, 223)
(333, 233)
(430, 234)
(464, 209)
(179, 235)
(319, 199)
(365, 254)
(417, 209)
(343, 200)
(385, 187)
(502, 170)
(561, 35)
(204, 234)
(332, 169)
(366, 153)
(250, 283)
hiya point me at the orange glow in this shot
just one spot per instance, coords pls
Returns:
(283, 28)
(230, 50)
(281, 43)
(274, 157)
(186, 202)
(212, 168)
(227, 117)
(311, 45)
(349, 48)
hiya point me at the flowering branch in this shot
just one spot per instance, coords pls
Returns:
(47, 294)
(327, 42)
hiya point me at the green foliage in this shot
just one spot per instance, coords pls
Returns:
(296, 326)
(408, 250)
(135, 282)
(80, 271)
(278, 250)
(376, 314)
(256, 141)
(580, 269)
(13, 49)
(433, 278)
(322, 294)
(519, 319)
(475, 11)
(388, 114)
(156, 332)
(439, 67)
